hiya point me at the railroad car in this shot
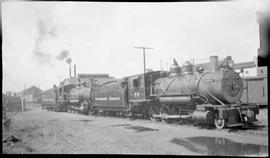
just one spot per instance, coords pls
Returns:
(255, 90)
(48, 99)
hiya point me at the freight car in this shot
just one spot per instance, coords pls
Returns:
(204, 97)
(255, 90)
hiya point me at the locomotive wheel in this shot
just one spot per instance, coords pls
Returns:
(164, 110)
(219, 123)
(128, 114)
(153, 110)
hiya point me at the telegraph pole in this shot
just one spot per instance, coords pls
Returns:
(143, 48)
(59, 77)
(23, 99)
(161, 68)
(144, 67)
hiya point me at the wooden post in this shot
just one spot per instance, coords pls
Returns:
(23, 98)
(144, 67)
(22, 104)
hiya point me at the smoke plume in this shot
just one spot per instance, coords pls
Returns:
(62, 55)
(50, 40)
(45, 31)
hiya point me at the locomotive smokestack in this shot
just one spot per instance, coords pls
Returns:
(74, 70)
(213, 63)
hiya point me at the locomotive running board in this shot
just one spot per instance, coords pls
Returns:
(171, 116)
(234, 125)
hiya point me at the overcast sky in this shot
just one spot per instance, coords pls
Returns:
(100, 37)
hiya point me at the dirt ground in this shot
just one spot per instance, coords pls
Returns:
(40, 132)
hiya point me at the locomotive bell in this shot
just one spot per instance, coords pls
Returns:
(187, 68)
(175, 69)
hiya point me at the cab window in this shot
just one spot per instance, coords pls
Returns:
(137, 82)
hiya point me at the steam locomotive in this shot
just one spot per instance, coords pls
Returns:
(205, 97)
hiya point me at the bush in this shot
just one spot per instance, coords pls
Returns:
(7, 122)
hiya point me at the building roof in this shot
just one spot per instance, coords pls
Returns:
(245, 65)
(31, 90)
(98, 78)
(206, 66)
(93, 75)
(147, 73)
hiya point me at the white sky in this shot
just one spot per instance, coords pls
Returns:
(100, 37)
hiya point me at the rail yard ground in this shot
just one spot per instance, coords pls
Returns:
(37, 131)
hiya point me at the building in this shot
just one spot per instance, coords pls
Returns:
(250, 68)
(206, 66)
(86, 78)
(30, 95)
(245, 69)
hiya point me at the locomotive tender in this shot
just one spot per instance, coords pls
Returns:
(211, 97)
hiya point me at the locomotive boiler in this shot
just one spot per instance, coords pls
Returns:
(78, 99)
(224, 86)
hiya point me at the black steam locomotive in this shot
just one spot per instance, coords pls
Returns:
(205, 97)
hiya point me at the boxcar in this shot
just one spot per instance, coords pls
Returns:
(255, 90)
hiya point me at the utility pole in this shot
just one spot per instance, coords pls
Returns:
(23, 98)
(144, 67)
(143, 48)
(161, 68)
(59, 77)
